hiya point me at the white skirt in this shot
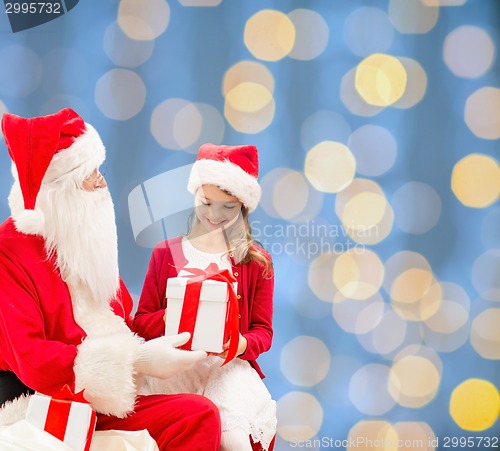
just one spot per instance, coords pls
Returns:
(236, 389)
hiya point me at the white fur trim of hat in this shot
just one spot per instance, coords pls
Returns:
(233, 169)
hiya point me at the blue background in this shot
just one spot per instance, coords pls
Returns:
(189, 61)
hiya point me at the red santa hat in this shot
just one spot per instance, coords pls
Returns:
(47, 148)
(234, 169)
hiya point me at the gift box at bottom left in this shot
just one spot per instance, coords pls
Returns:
(70, 421)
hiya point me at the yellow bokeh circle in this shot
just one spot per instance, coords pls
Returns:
(141, 22)
(475, 405)
(413, 381)
(249, 97)
(358, 275)
(380, 79)
(269, 35)
(247, 71)
(330, 166)
(476, 180)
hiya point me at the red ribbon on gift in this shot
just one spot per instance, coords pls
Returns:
(191, 303)
(58, 414)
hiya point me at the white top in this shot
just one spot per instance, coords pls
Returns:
(200, 259)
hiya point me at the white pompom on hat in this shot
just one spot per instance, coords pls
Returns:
(43, 149)
(234, 169)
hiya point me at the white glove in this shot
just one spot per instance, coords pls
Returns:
(160, 358)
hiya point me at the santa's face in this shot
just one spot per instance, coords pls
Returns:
(216, 209)
(94, 181)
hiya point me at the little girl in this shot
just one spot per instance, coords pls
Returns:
(224, 182)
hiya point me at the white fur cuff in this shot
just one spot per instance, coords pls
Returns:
(104, 367)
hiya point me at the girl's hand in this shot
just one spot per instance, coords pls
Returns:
(242, 347)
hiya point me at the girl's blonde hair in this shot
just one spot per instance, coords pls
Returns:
(240, 243)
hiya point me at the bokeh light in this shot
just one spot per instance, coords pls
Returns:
(269, 35)
(476, 180)
(358, 275)
(366, 215)
(352, 99)
(374, 149)
(475, 404)
(413, 381)
(481, 113)
(291, 193)
(416, 84)
(387, 336)
(413, 16)
(380, 79)
(287, 194)
(368, 389)
(313, 365)
(372, 435)
(362, 215)
(249, 107)
(468, 51)
(324, 126)
(300, 416)
(330, 166)
(124, 51)
(358, 316)
(410, 282)
(311, 34)
(417, 207)
(248, 97)
(249, 72)
(414, 435)
(485, 334)
(248, 88)
(120, 94)
(485, 274)
(414, 295)
(368, 30)
(400, 262)
(320, 276)
(143, 21)
(453, 307)
(177, 124)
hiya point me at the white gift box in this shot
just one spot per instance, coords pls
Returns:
(210, 321)
(75, 425)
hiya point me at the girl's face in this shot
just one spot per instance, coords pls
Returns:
(216, 209)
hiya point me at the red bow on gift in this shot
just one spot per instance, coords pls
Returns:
(191, 303)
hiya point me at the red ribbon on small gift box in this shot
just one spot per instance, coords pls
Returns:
(58, 416)
(192, 301)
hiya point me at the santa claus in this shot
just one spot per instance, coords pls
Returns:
(65, 314)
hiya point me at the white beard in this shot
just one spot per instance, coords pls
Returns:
(80, 232)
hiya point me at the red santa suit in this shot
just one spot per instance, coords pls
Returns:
(53, 332)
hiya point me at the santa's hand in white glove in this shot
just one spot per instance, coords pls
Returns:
(161, 358)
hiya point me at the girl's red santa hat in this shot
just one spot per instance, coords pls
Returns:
(54, 150)
(234, 169)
